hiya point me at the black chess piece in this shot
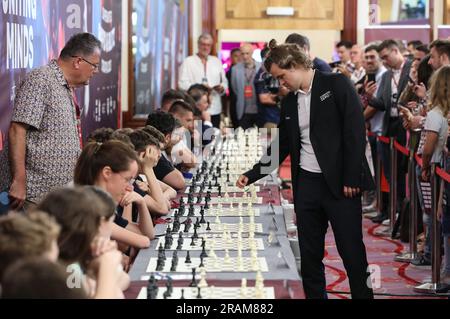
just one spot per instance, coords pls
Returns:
(176, 225)
(219, 188)
(197, 222)
(181, 201)
(161, 252)
(152, 288)
(186, 227)
(160, 264)
(199, 296)
(210, 185)
(193, 240)
(207, 205)
(208, 227)
(169, 285)
(195, 236)
(174, 265)
(191, 211)
(202, 214)
(199, 198)
(228, 178)
(188, 258)
(204, 254)
(190, 198)
(202, 265)
(194, 280)
(182, 294)
(180, 241)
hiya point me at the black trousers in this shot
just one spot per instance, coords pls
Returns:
(315, 207)
(248, 121)
(215, 120)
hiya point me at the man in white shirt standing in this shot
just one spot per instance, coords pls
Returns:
(202, 68)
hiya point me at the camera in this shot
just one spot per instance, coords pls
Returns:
(271, 84)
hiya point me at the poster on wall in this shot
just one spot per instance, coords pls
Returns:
(160, 42)
(34, 31)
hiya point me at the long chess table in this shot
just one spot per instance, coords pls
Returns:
(267, 254)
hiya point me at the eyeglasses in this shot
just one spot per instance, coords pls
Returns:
(130, 181)
(95, 66)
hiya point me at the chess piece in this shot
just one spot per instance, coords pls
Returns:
(176, 224)
(203, 283)
(194, 280)
(160, 264)
(188, 258)
(204, 254)
(202, 265)
(199, 198)
(169, 286)
(174, 261)
(182, 294)
(180, 241)
(161, 252)
(152, 288)
(202, 214)
(208, 228)
(192, 241)
(195, 236)
(191, 211)
(244, 288)
(197, 222)
(199, 296)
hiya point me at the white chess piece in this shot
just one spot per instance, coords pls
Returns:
(244, 288)
(203, 283)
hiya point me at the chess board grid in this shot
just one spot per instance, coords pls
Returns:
(211, 265)
(218, 245)
(211, 293)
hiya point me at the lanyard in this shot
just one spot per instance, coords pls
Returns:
(252, 74)
(78, 118)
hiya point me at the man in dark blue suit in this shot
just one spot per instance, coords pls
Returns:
(322, 129)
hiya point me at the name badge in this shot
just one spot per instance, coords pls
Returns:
(248, 91)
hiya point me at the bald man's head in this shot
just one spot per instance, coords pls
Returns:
(247, 53)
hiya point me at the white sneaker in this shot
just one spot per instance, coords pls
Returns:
(387, 222)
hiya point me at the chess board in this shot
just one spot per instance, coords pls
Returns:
(232, 228)
(212, 265)
(231, 189)
(216, 244)
(224, 212)
(234, 200)
(213, 293)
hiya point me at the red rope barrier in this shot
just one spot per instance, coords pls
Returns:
(401, 148)
(383, 139)
(443, 174)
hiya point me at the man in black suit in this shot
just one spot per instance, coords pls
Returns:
(322, 129)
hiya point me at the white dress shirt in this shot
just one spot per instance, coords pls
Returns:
(193, 71)
(308, 159)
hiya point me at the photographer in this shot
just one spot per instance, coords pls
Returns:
(269, 96)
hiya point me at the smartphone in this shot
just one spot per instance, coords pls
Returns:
(335, 64)
(371, 78)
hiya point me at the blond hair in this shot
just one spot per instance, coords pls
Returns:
(25, 236)
(440, 90)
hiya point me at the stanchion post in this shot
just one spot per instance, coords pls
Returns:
(412, 254)
(379, 176)
(435, 286)
(393, 185)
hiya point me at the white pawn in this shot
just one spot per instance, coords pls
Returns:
(203, 283)
(244, 288)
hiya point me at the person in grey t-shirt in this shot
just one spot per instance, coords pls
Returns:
(436, 124)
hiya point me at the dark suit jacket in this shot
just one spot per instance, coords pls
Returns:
(337, 134)
(383, 102)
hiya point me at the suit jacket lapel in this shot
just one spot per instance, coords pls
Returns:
(315, 98)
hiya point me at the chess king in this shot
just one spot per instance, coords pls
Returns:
(322, 129)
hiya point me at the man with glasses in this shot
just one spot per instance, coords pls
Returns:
(203, 68)
(45, 131)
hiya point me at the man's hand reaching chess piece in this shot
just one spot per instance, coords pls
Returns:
(242, 181)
